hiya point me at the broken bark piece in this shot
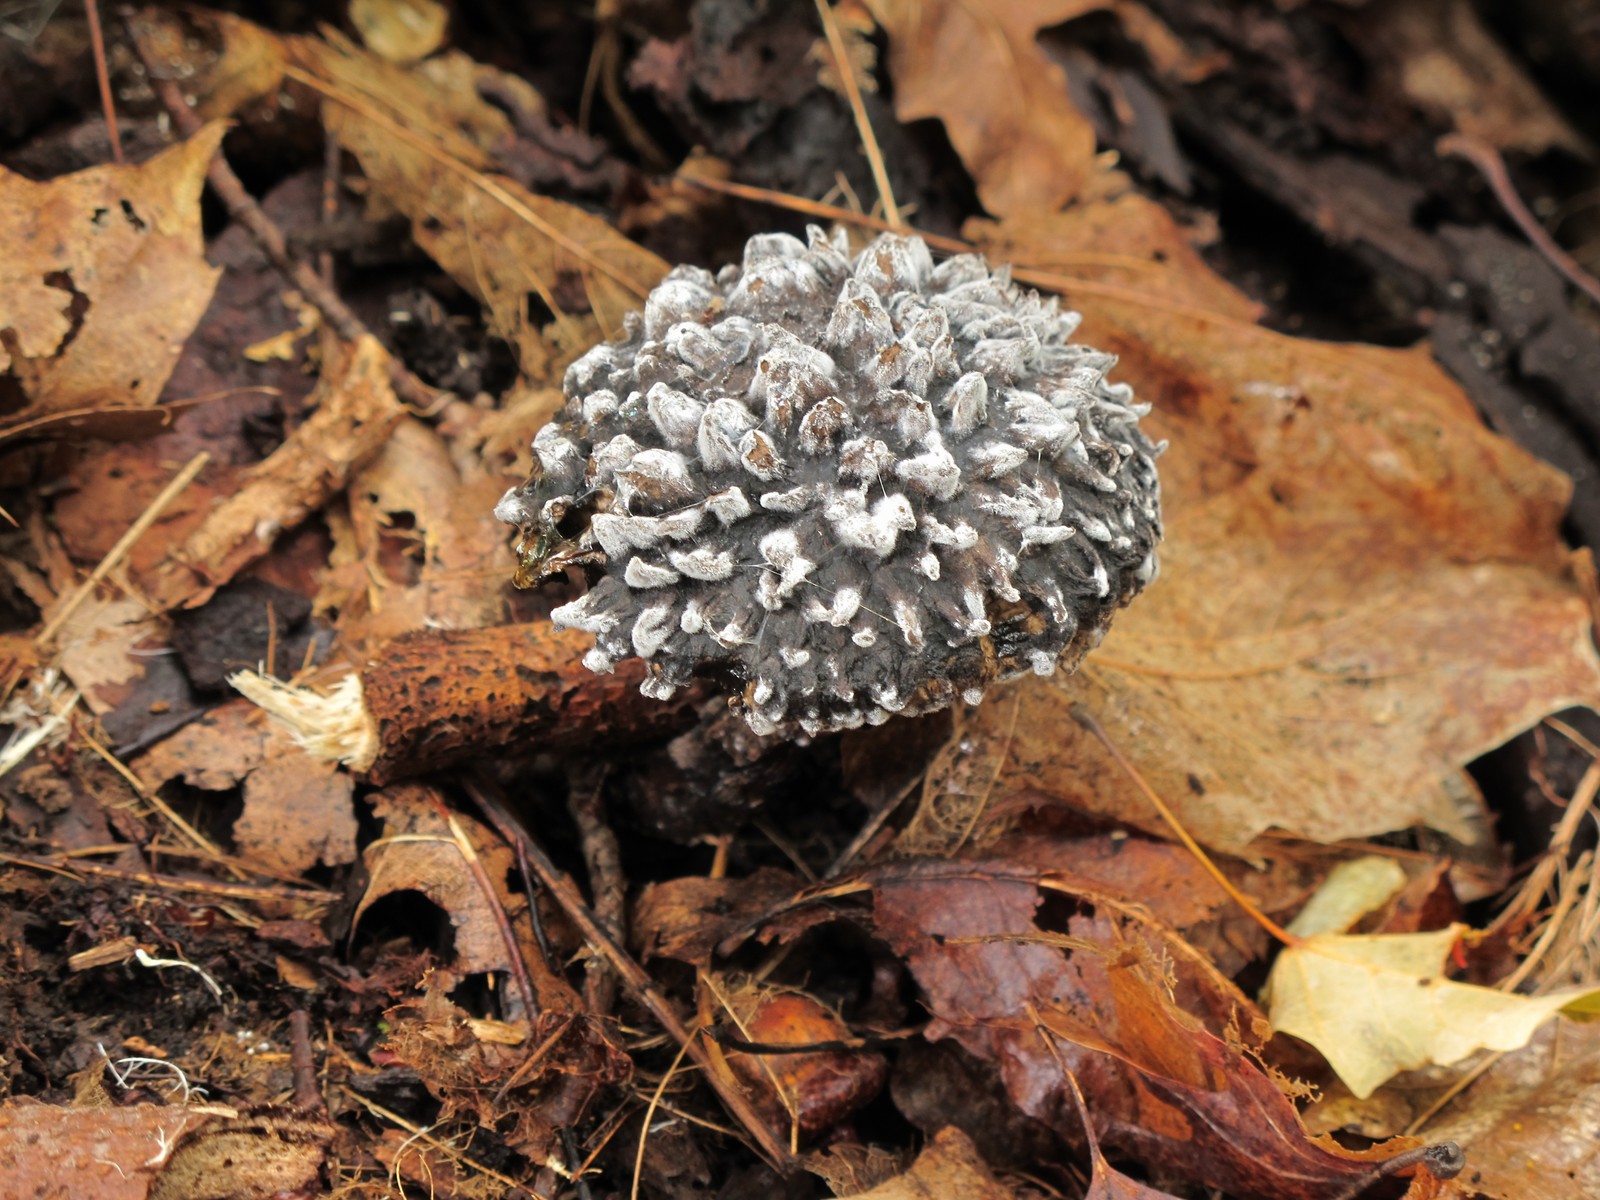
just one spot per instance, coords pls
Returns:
(437, 697)
(357, 411)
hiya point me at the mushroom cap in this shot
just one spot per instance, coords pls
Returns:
(850, 487)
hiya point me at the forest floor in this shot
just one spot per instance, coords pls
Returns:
(326, 867)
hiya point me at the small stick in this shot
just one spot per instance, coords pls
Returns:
(97, 43)
(869, 140)
(634, 978)
(948, 245)
(244, 209)
(125, 543)
(228, 891)
(1445, 1160)
(1487, 159)
(603, 859)
(307, 1093)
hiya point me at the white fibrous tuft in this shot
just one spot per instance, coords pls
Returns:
(851, 487)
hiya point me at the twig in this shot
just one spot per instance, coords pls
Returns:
(244, 209)
(602, 857)
(852, 91)
(948, 245)
(644, 1125)
(125, 543)
(634, 978)
(97, 43)
(1487, 159)
(1085, 718)
(1445, 1160)
(229, 891)
(303, 1063)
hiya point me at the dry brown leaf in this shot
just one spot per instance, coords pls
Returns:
(298, 811)
(1125, 239)
(1003, 101)
(1528, 1123)
(421, 547)
(500, 241)
(419, 852)
(1362, 589)
(103, 278)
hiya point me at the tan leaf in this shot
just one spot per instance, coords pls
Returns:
(1003, 101)
(497, 239)
(103, 278)
(1362, 589)
(948, 1166)
(1380, 1004)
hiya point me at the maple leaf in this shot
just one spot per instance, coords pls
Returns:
(1362, 589)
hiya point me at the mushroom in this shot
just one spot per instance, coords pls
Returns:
(850, 487)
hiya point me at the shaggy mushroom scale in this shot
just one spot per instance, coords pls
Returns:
(851, 487)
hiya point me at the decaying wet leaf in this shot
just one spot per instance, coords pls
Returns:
(102, 278)
(1026, 144)
(1161, 1085)
(1380, 1004)
(1440, 55)
(1362, 589)
(808, 1093)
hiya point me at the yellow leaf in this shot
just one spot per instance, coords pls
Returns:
(1351, 890)
(1381, 1004)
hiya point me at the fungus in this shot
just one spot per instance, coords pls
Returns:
(849, 487)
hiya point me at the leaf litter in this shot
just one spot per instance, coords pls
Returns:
(1364, 592)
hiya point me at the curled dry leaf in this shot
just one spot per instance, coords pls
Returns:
(1380, 1004)
(1362, 590)
(103, 277)
(419, 852)
(498, 240)
(1002, 99)
(948, 1166)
